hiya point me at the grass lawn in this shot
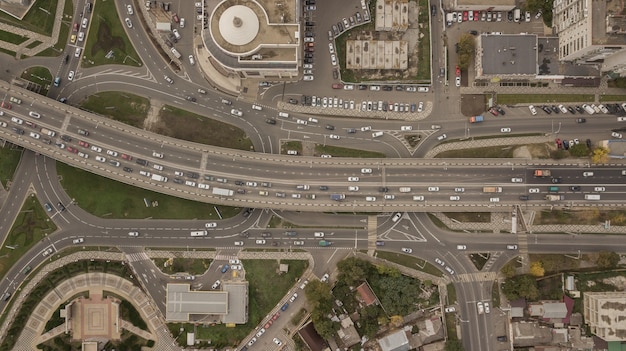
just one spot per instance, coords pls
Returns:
(8, 52)
(12, 37)
(480, 217)
(509, 99)
(267, 288)
(9, 159)
(127, 108)
(39, 19)
(31, 225)
(39, 75)
(587, 217)
(613, 98)
(107, 33)
(64, 32)
(337, 151)
(423, 46)
(495, 294)
(451, 294)
(33, 44)
(409, 261)
(291, 145)
(189, 126)
(179, 265)
(107, 198)
(481, 152)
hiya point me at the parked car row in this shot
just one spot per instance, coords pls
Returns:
(591, 109)
(386, 106)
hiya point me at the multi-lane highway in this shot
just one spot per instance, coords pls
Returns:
(113, 149)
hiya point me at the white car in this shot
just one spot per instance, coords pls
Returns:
(517, 180)
(331, 48)
(157, 154)
(406, 128)
(366, 170)
(365, 129)
(599, 188)
(211, 225)
(420, 106)
(70, 76)
(96, 148)
(238, 243)
(353, 188)
(480, 307)
(77, 52)
(326, 156)
(505, 130)
(169, 80)
(616, 135)
(353, 179)
(407, 250)
(128, 22)
(333, 59)
(100, 159)
(236, 112)
(112, 153)
(85, 22)
(461, 247)
(511, 247)
(450, 309)
(433, 188)
(487, 309)
(439, 262)
(277, 341)
(458, 82)
(133, 233)
(375, 87)
(78, 241)
(455, 198)
(260, 241)
(129, 9)
(442, 137)
(449, 270)
(47, 252)
(334, 136)
(216, 284)
(532, 109)
(34, 114)
(308, 77)
(533, 190)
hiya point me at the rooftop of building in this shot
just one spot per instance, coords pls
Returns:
(509, 54)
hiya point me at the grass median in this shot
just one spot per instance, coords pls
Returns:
(9, 159)
(31, 226)
(123, 107)
(107, 198)
(337, 151)
(107, 35)
(510, 99)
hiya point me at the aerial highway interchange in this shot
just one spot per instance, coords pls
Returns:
(270, 183)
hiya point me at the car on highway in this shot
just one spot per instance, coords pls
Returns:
(599, 188)
(260, 242)
(133, 233)
(78, 241)
(533, 190)
(34, 114)
(461, 247)
(85, 22)
(511, 247)
(480, 307)
(517, 180)
(236, 112)
(334, 136)
(574, 188)
(455, 198)
(406, 128)
(129, 9)
(616, 135)
(449, 270)
(556, 180)
(505, 130)
(587, 174)
(442, 137)
(353, 188)
(407, 250)
(433, 188)
(47, 252)
(353, 179)
(211, 225)
(128, 22)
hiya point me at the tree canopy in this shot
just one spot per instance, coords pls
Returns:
(467, 47)
(520, 286)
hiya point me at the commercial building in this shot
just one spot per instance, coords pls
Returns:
(230, 305)
(506, 56)
(604, 313)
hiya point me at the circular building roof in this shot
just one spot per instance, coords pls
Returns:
(239, 25)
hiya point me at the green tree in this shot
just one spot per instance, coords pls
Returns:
(318, 294)
(520, 286)
(508, 270)
(454, 345)
(607, 259)
(579, 150)
(467, 47)
(353, 270)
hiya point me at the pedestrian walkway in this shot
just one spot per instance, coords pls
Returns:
(372, 234)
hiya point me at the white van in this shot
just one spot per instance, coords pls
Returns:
(144, 173)
(283, 114)
(175, 53)
(589, 109)
(517, 14)
(377, 134)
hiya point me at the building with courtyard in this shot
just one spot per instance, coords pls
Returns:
(254, 38)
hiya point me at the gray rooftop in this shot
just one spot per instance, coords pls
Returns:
(181, 302)
(509, 54)
(237, 302)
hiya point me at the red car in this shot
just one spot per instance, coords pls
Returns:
(559, 144)
(83, 143)
(476, 15)
(75, 27)
(6, 105)
(268, 324)
(275, 316)
(71, 149)
(493, 111)
(127, 157)
(175, 18)
(337, 86)
(458, 71)
(465, 16)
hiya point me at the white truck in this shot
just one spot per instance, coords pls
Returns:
(159, 178)
(592, 196)
(222, 192)
(449, 18)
